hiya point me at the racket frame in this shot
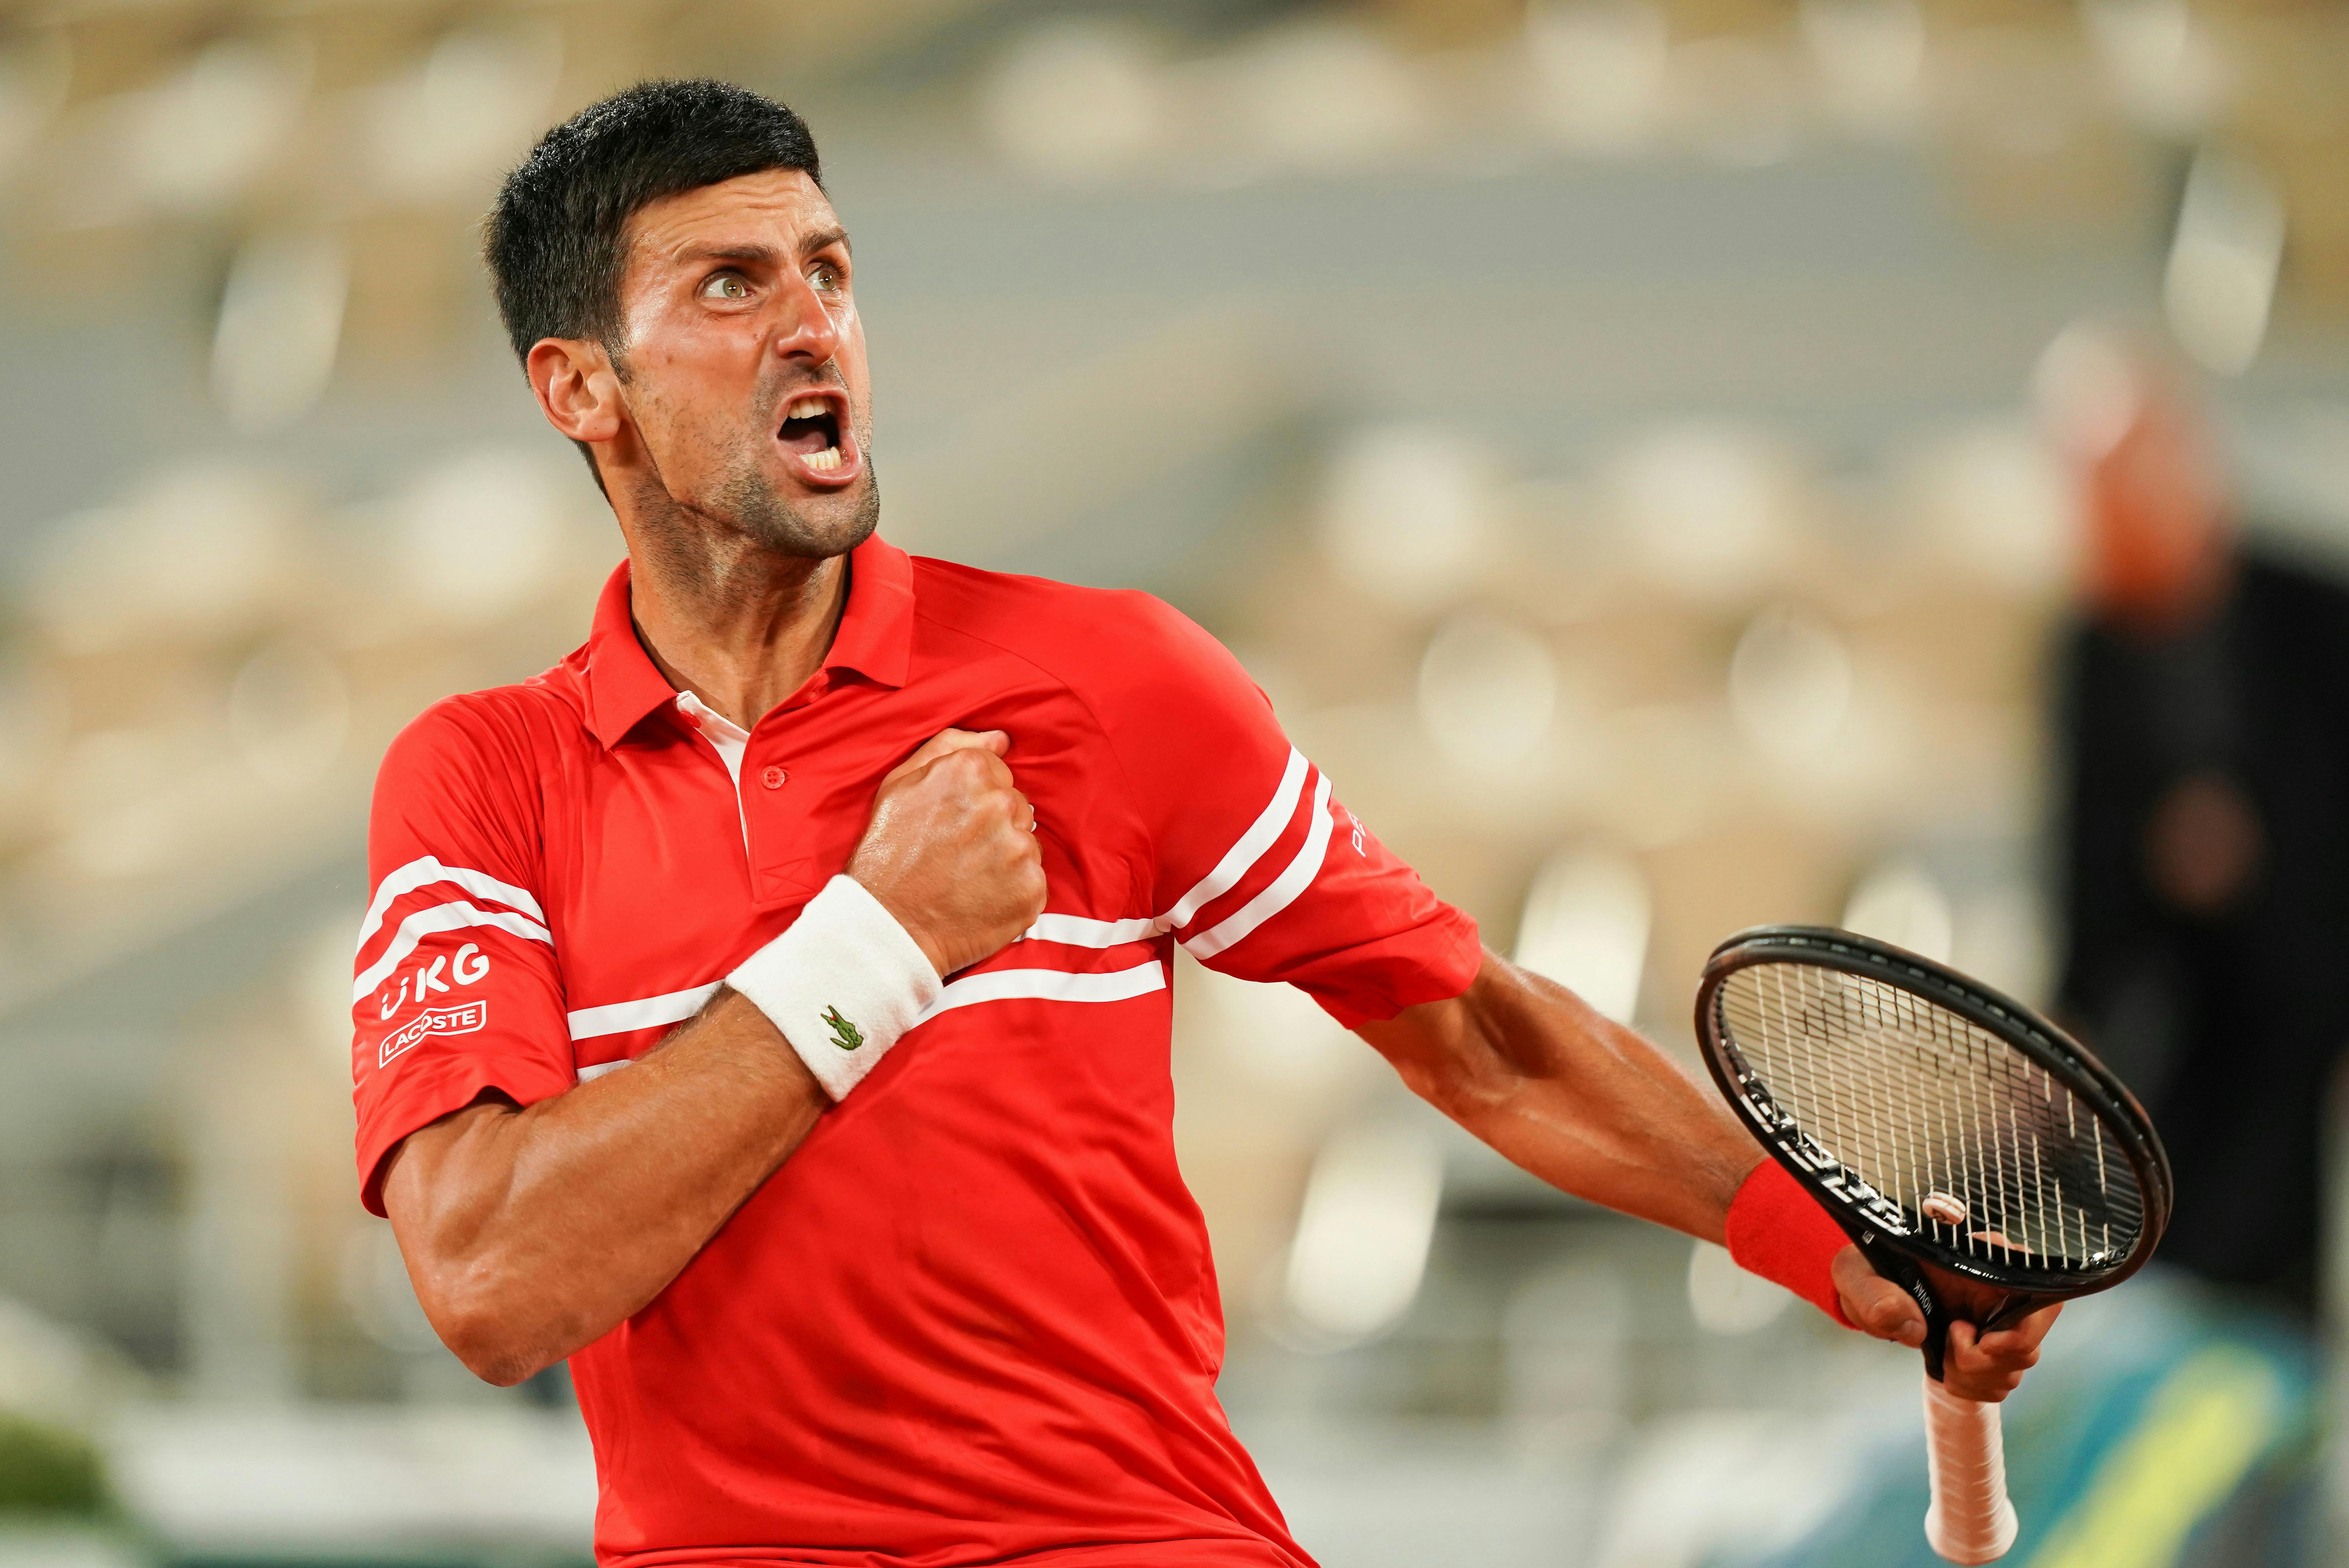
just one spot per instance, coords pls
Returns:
(1886, 1234)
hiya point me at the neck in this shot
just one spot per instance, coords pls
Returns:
(737, 623)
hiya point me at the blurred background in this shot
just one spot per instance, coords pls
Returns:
(1677, 463)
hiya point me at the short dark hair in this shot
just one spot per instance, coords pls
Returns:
(556, 240)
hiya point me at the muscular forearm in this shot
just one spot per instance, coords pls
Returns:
(1581, 1102)
(530, 1233)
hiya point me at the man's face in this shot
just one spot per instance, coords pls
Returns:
(743, 363)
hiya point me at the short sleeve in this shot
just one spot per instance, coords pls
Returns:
(456, 990)
(1260, 871)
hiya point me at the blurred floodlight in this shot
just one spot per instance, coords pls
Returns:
(198, 140)
(196, 552)
(1405, 515)
(319, 985)
(2086, 390)
(1732, 100)
(1487, 690)
(289, 711)
(35, 69)
(2163, 65)
(480, 536)
(1075, 99)
(1586, 927)
(1725, 1298)
(281, 323)
(1324, 95)
(1900, 902)
(1790, 682)
(1598, 71)
(1997, 503)
(2000, 936)
(1870, 58)
(2222, 264)
(1362, 1235)
(449, 128)
(1706, 506)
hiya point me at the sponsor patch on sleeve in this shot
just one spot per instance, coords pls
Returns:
(432, 1021)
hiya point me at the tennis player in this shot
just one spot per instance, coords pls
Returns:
(767, 1008)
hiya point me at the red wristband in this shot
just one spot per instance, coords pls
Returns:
(1779, 1231)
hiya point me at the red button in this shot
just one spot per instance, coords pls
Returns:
(773, 778)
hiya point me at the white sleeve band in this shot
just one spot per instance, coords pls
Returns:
(842, 984)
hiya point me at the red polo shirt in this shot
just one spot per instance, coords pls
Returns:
(973, 1317)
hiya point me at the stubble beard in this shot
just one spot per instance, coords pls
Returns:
(747, 502)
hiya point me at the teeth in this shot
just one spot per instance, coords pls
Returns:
(806, 408)
(829, 458)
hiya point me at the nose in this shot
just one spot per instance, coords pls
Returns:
(808, 331)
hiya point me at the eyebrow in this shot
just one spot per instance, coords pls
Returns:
(823, 239)
(739, 253)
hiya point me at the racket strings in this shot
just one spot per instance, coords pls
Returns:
(1958, 1136)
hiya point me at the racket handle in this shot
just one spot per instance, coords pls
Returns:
(1970, 1519)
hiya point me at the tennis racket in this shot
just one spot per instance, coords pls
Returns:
(1947, 1129)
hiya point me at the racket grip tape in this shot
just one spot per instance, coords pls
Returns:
(1971, 1520)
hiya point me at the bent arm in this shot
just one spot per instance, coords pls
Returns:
(1592, 1109)
(1581, 1102)
(531, 1231)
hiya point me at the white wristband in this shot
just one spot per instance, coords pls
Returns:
(842, 984)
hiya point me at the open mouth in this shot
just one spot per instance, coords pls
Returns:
(812, 432)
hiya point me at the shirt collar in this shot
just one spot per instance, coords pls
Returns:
(874, 640)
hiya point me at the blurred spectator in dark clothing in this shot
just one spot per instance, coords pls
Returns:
(2204, 728)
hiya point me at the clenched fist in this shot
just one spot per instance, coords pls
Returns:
(1977, 1366)
(951, 849)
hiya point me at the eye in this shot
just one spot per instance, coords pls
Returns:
(828, 277)
(726, 285)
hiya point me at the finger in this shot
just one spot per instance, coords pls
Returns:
(2006, 1352)
(2028, 1332)
(1989, 1357)
(948, 740)
(1873, 1304)
(974, 774)
(1883, 1308)
(1967, 1370)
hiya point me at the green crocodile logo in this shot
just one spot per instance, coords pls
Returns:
(845, 1035)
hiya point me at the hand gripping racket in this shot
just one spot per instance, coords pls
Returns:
(1943, 1125)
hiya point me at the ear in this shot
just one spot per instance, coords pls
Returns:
(578, 391)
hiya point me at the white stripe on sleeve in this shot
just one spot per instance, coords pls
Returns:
(449, 917)
(624, 1017)
(1236, 860)
(424, 872)
(1282, 892)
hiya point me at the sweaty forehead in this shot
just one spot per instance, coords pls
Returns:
(776, 209)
